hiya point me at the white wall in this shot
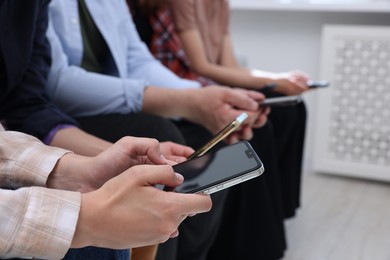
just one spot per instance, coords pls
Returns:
(285, 40)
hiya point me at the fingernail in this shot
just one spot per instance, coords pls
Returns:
(179, 177)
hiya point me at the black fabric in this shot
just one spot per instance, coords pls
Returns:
(114, 127)
(90, 252)
(289, 128)
(25, 61)
(254, 212)
(96, 53)
(141, 22)
(251, 217)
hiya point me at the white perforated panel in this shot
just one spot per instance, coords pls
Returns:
(353, 135)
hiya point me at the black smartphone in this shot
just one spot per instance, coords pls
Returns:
(318, 84)
(220, 169)
(281, 101)
(231, 127)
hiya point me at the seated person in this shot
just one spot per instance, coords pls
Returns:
(24, 106)
(61, 219)
(196, 44)
(130, 80)
(101, 69)
(207, 56)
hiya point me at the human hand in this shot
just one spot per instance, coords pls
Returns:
(128, 211)
(175, 152)
(214, 107)
(259, 116)
(246, 132)
(291, 83)
(79, 173)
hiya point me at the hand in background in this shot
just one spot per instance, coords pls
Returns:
(259, 118)
(287, 83)
(215, 107)
(291, 83)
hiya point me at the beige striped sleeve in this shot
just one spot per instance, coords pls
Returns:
(37, 222)
(25, 161)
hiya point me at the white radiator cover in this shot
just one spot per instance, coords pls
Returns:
(352, 135)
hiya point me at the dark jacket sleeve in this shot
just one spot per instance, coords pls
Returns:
(25, 58)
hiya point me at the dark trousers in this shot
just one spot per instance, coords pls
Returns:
(289, 128)
(251, 219)
(252, 227)
(97, 253)
(289, 124)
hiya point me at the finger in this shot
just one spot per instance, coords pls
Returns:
(255, 95)
(192, 203)
(262, 118)
(232, 138)
(143, 147)
(246, 133)
(172, 160)
(151, 175)
(302, 75)
(240, 101)
(170, 148)
(174, 234)
(252, 118)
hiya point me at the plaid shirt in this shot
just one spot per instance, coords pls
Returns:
(34, 221)
(166, 47)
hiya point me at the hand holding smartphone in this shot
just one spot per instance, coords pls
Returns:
(218, 170)
(231, 127)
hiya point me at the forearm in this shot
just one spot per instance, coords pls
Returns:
(168, 102)
(69, 174)
(80, 142)
(225, 75)
(232, 76)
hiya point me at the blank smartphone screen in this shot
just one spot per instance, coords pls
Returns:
(216, 167)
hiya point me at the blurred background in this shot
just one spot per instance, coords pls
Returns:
(345, 211)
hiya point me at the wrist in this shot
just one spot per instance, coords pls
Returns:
(188, 104)
(70, 174)
(84, 233)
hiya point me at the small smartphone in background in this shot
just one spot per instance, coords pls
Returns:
(231, 127)
(318, 84)
(218, 170)
(281, 101)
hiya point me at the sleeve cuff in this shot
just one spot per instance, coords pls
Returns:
(134, 94)
(49, 137)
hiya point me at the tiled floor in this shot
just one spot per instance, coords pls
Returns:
(340, 219)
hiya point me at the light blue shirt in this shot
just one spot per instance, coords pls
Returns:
(82, 93)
